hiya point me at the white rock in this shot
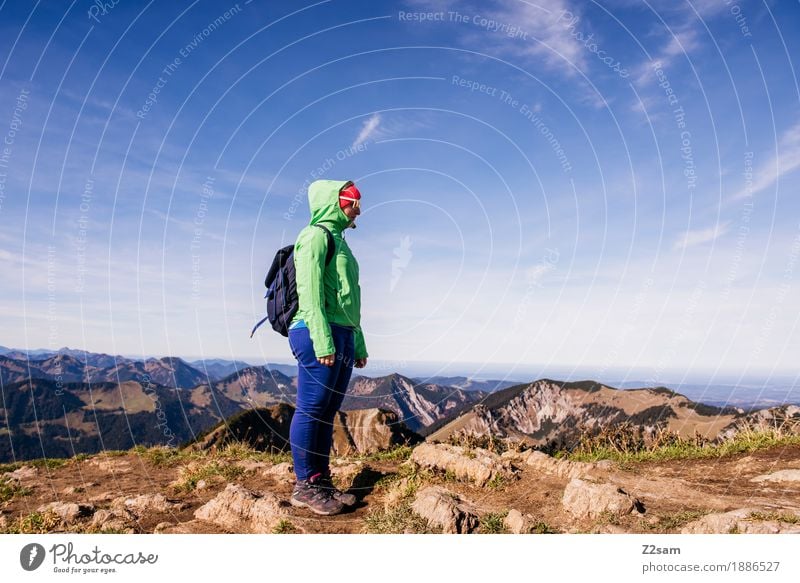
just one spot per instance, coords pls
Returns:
(515, 522)
(241, 510)
(585, 499)
(443, 508)
(477, 465)
(143, 504)
(562, 468)
(737, 521)
(281, 470)
(22, 473)
(69, 512)
(252, 465)
(779, 476)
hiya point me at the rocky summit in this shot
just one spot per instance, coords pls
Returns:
(427, 488)
(548, 412)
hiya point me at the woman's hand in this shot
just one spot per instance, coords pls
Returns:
(327, 360)
(361, 362)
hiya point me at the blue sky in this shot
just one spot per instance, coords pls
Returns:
(603, 185)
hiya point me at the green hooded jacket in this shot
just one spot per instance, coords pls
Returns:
(327, 295)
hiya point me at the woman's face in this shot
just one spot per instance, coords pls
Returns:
(351, 211)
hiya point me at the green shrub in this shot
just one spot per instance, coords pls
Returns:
(492, 523)
(206, 471)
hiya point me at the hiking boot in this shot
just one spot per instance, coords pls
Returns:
(311, 495)
(325, 481)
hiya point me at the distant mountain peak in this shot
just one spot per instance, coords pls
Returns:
(546, 411)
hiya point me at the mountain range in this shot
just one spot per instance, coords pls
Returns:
(68, 402)
(78, 365)
(63, 403)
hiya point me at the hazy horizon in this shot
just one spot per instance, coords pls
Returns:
(509, 371)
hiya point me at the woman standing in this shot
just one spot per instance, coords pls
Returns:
(326, 339)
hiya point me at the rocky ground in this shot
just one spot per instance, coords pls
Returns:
(430, 488)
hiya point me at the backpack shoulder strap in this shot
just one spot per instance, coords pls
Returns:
(331, 243)
(278, 263)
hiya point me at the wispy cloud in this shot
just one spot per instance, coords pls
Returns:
(784, 161)
(701, 236)
(546, 22)
(368, 130)
(547, 40)
(681, 43)
(682, 40)
(547, 34)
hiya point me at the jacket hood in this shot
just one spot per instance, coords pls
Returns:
(323, 202)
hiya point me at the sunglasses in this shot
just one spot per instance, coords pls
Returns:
(356, 201)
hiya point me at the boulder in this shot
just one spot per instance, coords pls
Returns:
(516, 522)
(446, 509)
(779, 476)
(476, 465)
(125, 512)
(585, 499)
(23, 473)
(110, 464)
(107, 519)
(738, 521)
(239, 509)
(252, 465)
(564, 468)
(143, 504)
(283, 471)
(69, 512)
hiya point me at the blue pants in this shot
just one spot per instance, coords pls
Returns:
(320, 391)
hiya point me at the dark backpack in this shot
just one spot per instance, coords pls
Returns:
(281, 296)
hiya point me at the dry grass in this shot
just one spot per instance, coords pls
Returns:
(47, 463)
(397, 517)
(10, 489)
(498, 445)
(787, 517)
(628, 443)
(170, 456)
(33, 523)
(191, 475)
(398, 453)
(492, 523)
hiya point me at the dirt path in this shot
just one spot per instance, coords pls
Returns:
(673, 492)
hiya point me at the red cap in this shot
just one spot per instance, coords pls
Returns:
(351, 192)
